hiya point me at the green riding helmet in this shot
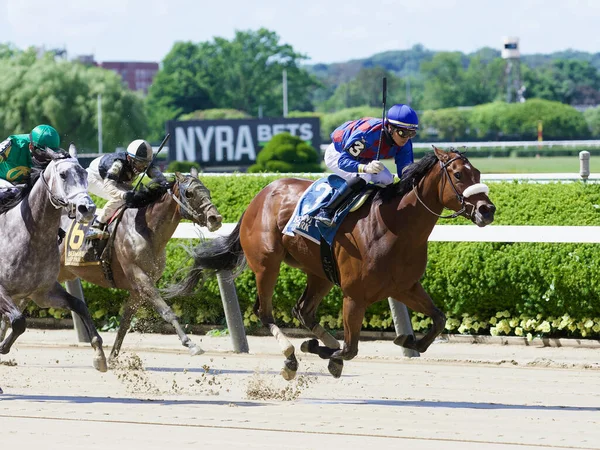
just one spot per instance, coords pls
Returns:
(45, 136)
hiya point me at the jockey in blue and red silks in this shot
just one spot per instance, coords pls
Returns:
(353, 153)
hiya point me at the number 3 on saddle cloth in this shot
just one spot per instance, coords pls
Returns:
(303, 221)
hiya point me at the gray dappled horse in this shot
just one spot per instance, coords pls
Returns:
(29, 254)
(139, 251)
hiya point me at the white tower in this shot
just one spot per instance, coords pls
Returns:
(510, 52)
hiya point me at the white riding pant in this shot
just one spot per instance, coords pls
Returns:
(96, 187)
(332, 156)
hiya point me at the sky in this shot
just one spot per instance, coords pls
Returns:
(326, 31)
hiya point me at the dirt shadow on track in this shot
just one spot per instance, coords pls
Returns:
(452, 405)
(124, 400)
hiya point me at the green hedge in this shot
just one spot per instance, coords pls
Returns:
(499, 288)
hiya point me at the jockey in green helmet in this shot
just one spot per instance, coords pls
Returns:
(19, 151)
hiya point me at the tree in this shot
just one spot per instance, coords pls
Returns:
(64, 94)
(566, 81)
(244, 74)
(444, 81)
(287, 153)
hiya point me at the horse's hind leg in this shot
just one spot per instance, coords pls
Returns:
(16, 318)
(353, 314)
(145, 290)
(418, 300)
(58, 297)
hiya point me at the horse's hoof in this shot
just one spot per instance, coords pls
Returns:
(195, 350)
(310, 346)
(100, 364)
(335, 367)
(405, 340)
(1, 391)
(288, 374)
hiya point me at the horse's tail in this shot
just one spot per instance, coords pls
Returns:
(210, 257)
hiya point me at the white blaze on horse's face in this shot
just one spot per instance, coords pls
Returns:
(68, 188)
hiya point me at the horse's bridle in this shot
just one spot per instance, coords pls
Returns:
(58, 202)
(193, 215)
(471, 190)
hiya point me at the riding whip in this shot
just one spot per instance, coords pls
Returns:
(382, 116)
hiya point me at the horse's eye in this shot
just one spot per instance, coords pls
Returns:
(189, 194)
(457, 175)
(63, 176)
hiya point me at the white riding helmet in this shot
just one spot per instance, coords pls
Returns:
(140, 150)
(140, 154)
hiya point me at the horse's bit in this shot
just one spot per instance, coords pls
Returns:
(477, 188)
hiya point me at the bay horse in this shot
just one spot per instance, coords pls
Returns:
(29, 254)
(380, 250)
(139, 252)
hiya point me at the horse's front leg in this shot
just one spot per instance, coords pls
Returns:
(128, 312)
(14, 316)
(418, 300)
(353, 315)
(147, 291)
(58, 297)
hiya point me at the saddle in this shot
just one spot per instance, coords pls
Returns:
(80, 251)
(303, 223)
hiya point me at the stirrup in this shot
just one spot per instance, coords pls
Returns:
(94, 233)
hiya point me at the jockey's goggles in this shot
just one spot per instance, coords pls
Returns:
(405, 132)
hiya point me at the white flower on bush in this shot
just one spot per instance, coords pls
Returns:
(519, 331)
(544, 327)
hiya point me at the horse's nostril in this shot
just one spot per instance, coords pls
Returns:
(82, 209)
(215, 219)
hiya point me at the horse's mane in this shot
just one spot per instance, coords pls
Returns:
(410, 177)
(11, 197)
(149, 195)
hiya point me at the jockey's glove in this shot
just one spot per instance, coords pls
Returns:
(373, 167)
(128, 196)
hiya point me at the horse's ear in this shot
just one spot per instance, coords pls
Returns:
(179, 177)
(194, 172)
(441, 154)
(72, 150)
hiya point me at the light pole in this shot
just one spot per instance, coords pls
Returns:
(285, 99)
(99, 123)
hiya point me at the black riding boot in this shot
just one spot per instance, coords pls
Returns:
(327, 213)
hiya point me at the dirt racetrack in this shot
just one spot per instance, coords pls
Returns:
(467, 396)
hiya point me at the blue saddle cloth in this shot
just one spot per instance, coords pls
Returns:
(318, 194)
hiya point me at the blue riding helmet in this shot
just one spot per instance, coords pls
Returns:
(403, 116)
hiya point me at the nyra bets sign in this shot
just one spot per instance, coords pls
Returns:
(233, 142)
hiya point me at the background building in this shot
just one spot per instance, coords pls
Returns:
(137, 76)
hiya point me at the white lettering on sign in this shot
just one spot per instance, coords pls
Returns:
(244, 144)
(186, 145)
(231, 143)
(263, 133)
(278, 128)
(204, 138)
(223, 142)
(306, 133)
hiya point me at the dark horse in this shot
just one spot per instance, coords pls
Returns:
(381, 251)
(139, 253)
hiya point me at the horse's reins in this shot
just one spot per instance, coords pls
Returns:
(476, 188)
(193, 215)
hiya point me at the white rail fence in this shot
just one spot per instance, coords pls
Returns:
(441, 233)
